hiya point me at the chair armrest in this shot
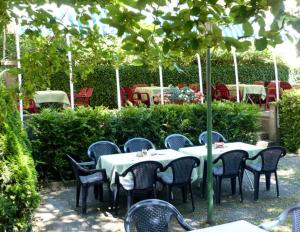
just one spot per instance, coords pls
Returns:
(103, 171)
(253, 158)
(88, 163)
(269, 225)
(216, 160)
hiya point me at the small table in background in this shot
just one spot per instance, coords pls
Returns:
(51, 96)
(151, 90)
(240, 225)
(247, 90)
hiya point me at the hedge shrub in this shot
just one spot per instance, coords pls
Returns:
(289, 109)
(53, 134)
(103, 78)
(18, 179)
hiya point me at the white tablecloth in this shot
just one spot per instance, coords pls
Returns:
(201, 151)
(240, 225)
(248, 89)
(51, 96)
(151, 90)
(120, 162)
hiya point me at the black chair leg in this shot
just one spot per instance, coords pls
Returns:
(110, 195)
(85, 190)
(277, 186)
(240, 187)
(268, 181)
(129, 199)
(116, 199)
(78, 188)
(169, 193)
(233, 185)
(100, 192)
(256, 185)
(192, 197)
(154, 192)
(184, 195)
(219, 186)
(96, 191)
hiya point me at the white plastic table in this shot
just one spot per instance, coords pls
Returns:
(201, 151)
(151, 90)
(120, 162)
(240, 225)
(247, 90)
(51, 96)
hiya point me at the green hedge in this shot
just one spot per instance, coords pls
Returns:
(103, 79)
(289, 109)
(53, 134)
(18, 182)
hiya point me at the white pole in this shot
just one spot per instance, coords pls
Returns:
(276, 76)
(70, 72)
(4, 43)
(118, 89)
(161, 85)
(200, 75)
(236, 74)
(17, 31)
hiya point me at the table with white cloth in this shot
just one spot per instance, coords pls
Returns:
(51, 96)
(120, 162)
(246, 90)
(152, 91)
(201, 152)
(240, 225)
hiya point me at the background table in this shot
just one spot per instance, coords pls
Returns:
(51, 96)
(151, 90)
(120, 162)
(247, 90)
(201, 151)
(240, 225)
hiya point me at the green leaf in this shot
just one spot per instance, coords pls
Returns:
(261, 44)
(277, 6)
(248, 29)
(137, 62)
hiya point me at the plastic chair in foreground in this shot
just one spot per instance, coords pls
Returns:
(176, 141)
(269, 160)
(295, 214)
(216, 137)
(138, 144)
(86, 178)
(153, 216)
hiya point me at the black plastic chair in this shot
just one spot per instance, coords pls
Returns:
(153, 216)
(268, 165)
(180, 176)
(176, 141)
(216, 137)
(233, 163)
(138, 144)
(100, 148)
(144, 177)
(86, 178)
(294, 211)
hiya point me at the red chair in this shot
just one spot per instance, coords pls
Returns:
(139, 85)
(180, 86)
(136, 98)
(222, 93)
(84, 99)
(29, 105)
(194, 87)
(213, 92)
(271, 94)
(285, 85)
(259, 83)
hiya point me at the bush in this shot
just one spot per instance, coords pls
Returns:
(104, 83)
(18, 182)
(56, 133)
(289, 110)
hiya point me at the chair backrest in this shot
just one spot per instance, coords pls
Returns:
(216, 137)
(176, 141)
(194, 87)
(232, 161)
(82, 91)
(100, 148)
(129, 92)
(285, 85)
(75, 166)
(213, 92)
(138, 144)
(139, 85)
(123, 96)
(270, 157)
(180, 86)
(295, 213)
(152, 215)
(144, 174)
(222, 90)
(182, 168)
(259, 83)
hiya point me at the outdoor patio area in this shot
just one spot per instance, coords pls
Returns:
(57, 211)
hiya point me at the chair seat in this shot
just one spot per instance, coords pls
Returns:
(126, 183)
(91, 179)
(165, 177)
(254, 167)
(218, 171)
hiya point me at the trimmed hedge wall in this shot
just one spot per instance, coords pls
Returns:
(289, 109)
(18, 180)
(103, 79)
(53, 134)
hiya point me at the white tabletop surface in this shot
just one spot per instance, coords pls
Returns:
(236, 226)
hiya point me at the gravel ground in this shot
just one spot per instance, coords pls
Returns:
(57, 211)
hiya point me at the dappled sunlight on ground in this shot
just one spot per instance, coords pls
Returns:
(58, 212)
